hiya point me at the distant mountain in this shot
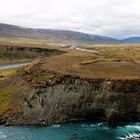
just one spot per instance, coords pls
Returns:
(131, 40)
(7, 30)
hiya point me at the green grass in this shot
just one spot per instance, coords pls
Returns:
(5, 99)
(8, 55)
(45, 77)
(4, 74)
(21, 41)
(17, 55)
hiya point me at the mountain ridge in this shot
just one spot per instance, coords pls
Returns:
(131, 39)
(7, 30)
(15, 31)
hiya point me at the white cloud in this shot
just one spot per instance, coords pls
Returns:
(114, 18)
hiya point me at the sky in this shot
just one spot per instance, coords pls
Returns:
(113, 18)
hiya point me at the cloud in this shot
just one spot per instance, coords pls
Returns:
(114, 18)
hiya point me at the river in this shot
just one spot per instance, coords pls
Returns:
(12, 65)
(70, 131)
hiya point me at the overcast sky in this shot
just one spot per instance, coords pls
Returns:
(114, 18)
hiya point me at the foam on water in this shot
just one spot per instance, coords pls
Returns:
(56, 126)
(129, 131)
(2, 136)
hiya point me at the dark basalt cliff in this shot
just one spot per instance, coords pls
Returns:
(48, 97)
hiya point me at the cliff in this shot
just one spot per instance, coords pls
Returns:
(40, 95)
(14, 52)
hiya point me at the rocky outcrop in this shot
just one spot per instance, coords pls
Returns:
(75, 99)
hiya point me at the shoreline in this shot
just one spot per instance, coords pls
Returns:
(44, 123)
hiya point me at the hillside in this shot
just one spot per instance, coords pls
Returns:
(13, 31)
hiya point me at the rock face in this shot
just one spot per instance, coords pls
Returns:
(76, 99)
(48, 97)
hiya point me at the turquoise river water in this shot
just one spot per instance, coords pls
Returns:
(71, 131)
